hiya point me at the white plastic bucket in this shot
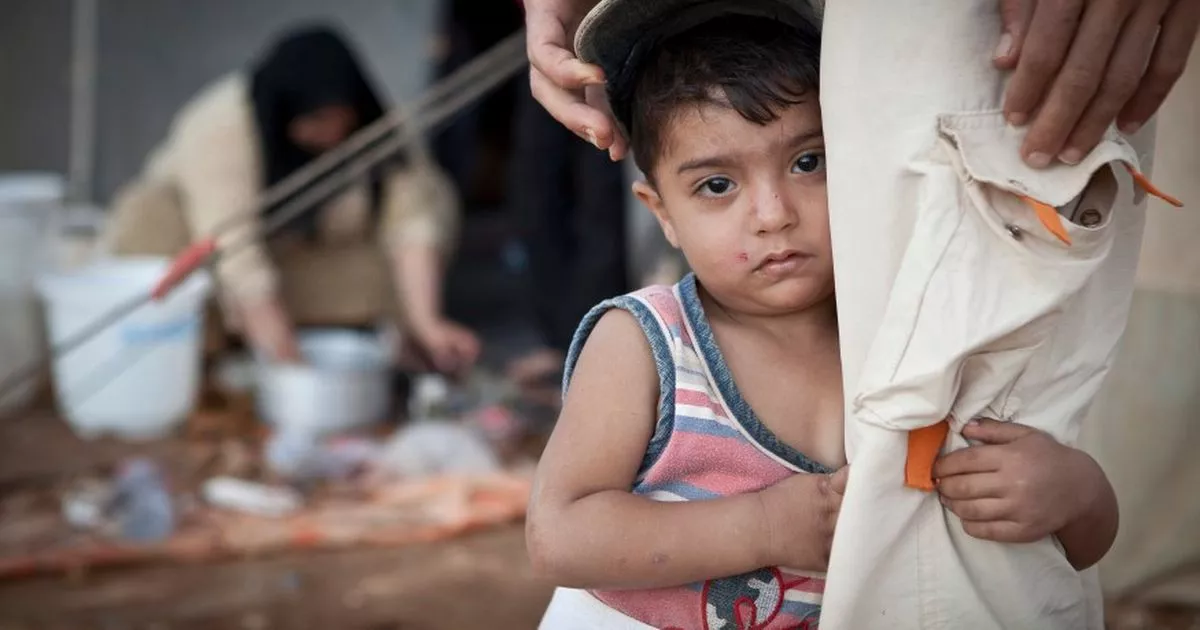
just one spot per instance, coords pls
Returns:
(138, 378)
(28, 203)
(344, 384)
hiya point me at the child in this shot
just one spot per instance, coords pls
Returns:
(695, 475)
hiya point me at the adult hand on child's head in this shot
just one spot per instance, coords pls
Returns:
(1017, 485)
(801, 512)
(1080, 65)
(570, 90)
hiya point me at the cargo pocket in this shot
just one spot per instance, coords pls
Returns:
(1060, 213)
(997, 250)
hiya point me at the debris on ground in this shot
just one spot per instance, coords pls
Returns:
(242, 487)
(223, 416)
(141, 504)
(251, 498)
(135, 505)
(304, 458)
(37, 541)
(85, 504)
(434, 447)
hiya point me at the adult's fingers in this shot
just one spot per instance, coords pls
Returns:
(467, 348)
(1045, 46)
(1175, 41)
(558, 78)
(1015, 16)
(549, 47)
(1077, 81)
(570, 109)
(596, 97)
(443, 359)
(1120, 81)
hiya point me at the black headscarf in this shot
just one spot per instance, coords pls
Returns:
(307, 69)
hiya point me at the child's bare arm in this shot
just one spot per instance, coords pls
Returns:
(1089, 536)
(1021, 485)
(587, 530)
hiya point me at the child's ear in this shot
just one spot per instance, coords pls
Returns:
(651, 199)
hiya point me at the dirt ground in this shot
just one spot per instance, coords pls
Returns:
(478, 581)
(482, 581)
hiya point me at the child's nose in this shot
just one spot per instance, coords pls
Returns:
(774, 213)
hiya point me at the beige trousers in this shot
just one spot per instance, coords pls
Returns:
(968, 285)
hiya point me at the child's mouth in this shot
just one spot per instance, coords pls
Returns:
(782, 263)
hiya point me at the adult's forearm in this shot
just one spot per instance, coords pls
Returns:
(418, 272)
(268, 327)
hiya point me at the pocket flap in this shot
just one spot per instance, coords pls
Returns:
(990, 150)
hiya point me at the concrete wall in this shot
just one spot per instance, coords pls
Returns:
(155, 54)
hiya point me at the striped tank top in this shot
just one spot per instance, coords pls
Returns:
(707, 443)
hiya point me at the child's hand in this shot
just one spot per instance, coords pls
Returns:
(1019, 485)
(801, 512)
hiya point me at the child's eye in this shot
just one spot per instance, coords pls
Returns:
(716, 186)
(809, 163)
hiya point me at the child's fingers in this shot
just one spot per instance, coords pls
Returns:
(979, 510)
(972, 486)
(998, 531)
(994, 431)
(839, 479)
(835, 504)
(970, 460)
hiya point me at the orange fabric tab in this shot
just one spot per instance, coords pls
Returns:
(923, 447)
(1049, 217)
(1150, 188)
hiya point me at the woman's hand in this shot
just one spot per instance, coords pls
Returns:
(1080, 65)
(452, 347)
(269, 329)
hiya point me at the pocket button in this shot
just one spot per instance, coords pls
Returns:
(1091, 218)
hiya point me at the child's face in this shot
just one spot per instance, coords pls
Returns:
(746, 204)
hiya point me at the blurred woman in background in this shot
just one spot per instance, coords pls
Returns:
(373, 252)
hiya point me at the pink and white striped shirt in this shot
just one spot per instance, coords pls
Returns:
(707, 443)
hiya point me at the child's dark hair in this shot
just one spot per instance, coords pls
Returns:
(754, 65)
